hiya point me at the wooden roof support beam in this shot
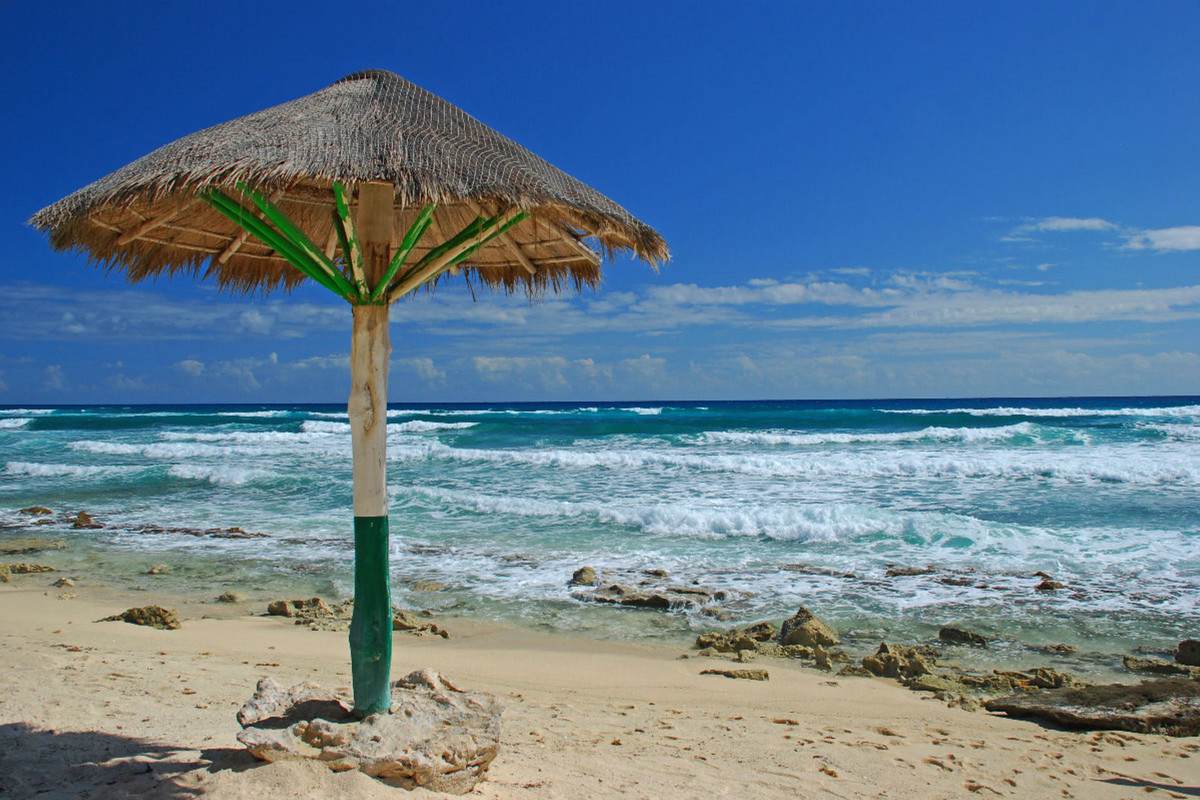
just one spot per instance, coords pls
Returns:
(151, 224)
(507, 241)
(579, 246)
(240, 239)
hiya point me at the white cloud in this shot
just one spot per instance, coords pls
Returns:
(1023, 232)
(55, 380)
(338, 361)
(423, 368)
(1070, 224)
(191, 366)
(1184, 237)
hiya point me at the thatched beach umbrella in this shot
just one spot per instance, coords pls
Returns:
(372, 188)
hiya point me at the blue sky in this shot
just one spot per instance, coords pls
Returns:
(861, 199)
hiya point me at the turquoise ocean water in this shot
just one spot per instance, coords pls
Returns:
(778, 503)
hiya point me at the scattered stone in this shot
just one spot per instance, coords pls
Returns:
(428, 586)
(657, 573)
(664, 599)
(745, 655)
(35, 511)
(1047, 678)
(1049, 586)
(805, 628)
(935, 683)
(719, 614)
(1057, 649)
(17, 547)
(1170, 706)
(67, 596)
(229, 597)
(584, 576)
(84, 520)
(855, 671)
(821, 656)
(751, 638)
(302, 610)
(29, 569)
(1159, 666)
(806, 569)
(159, 569)
(1044, 576)
(964, 702)
(212, 533)
(952, 635)
(406, 621)
(796, 651)
(904, 572)
(5, 572)
(438, 736)
(152, 616)
(744, 674)
(1188, 652)
(63, 583)
(896, 661)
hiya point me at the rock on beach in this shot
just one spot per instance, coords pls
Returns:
(437, 736)
(1170, 707)
(806, 629)
(151, 616)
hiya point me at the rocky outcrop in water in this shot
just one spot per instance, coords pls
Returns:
(17, 547)
(804, 628)
(1188, 652)
(952, 635)
(1159, 666)
(437, 736)
(584, 576)
(664, 598)
(234, 532)
(650, 588)
(35, 511)
(151, 616)
(84, 520)
(29, 569)
(1170, 707)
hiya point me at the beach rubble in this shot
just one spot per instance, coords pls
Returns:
(18, 547)
(1170, 706)
(1188, 652)
(804, 628)
(321, 616)
(437, 736)
(647, 588)
(1160, 666)
(151, 616)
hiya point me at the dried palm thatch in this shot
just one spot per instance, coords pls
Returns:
(148, 219)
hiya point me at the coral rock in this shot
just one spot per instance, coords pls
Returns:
(437, 736)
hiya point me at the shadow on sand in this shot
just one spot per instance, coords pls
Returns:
(56, 765)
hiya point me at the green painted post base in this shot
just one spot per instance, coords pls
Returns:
(371, 626)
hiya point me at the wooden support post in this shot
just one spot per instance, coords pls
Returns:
(371, 626)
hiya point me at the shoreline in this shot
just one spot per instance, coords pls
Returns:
(137, 710)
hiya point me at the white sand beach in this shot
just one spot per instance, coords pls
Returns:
(108, 710)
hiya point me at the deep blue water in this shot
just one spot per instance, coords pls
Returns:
(501, 503)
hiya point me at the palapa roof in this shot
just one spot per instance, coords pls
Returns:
(146, 218)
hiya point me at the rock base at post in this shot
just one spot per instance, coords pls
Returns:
(437, 736)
